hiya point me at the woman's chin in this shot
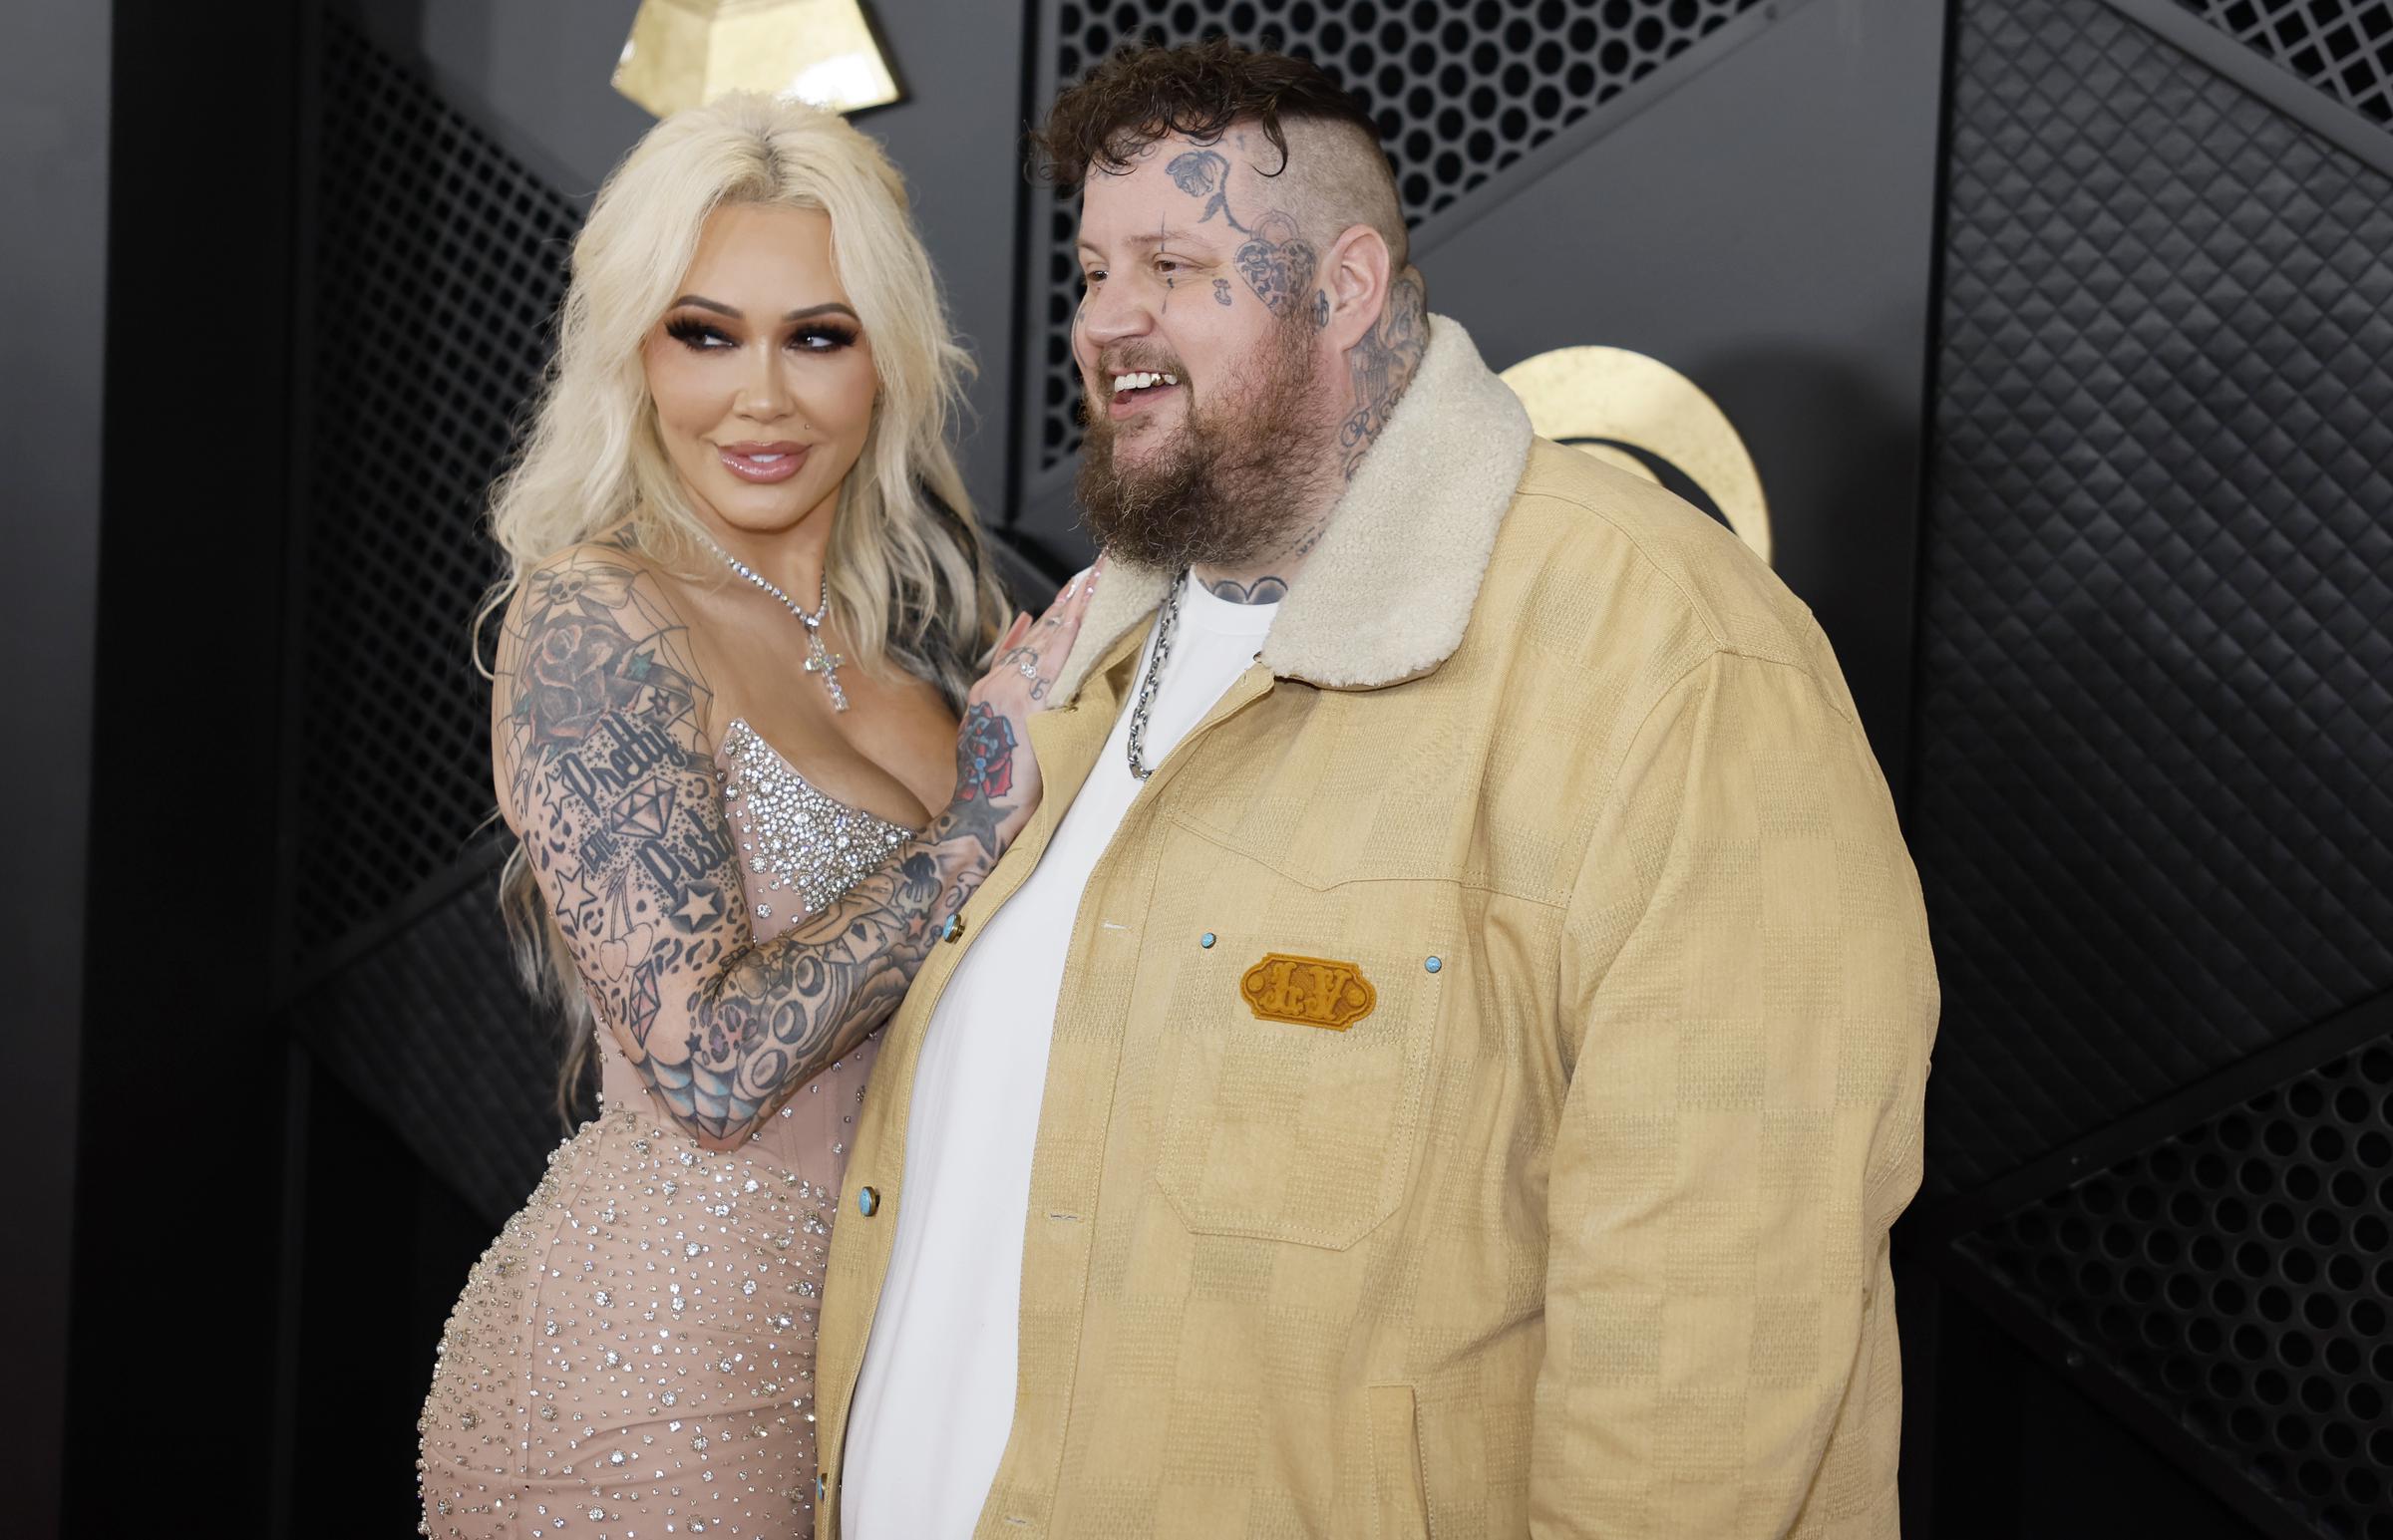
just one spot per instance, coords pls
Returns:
(762, 510)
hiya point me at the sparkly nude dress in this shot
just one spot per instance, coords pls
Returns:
(635, 1355)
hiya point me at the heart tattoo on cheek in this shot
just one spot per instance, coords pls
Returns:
(1277, 264)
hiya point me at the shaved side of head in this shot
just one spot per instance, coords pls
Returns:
(1333, 177)
(1312, 143)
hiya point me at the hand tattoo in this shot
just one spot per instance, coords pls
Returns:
(984, 764)
(1024, 660)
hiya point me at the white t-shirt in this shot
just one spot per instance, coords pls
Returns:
(935, 1401)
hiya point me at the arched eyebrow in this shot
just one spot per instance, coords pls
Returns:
(828, 307)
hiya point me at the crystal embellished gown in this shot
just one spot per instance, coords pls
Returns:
(635, 1355)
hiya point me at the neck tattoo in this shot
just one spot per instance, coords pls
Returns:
(819, 658)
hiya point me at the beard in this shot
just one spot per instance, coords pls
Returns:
(1227, 487)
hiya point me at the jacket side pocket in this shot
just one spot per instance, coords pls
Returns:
(1399, 1507)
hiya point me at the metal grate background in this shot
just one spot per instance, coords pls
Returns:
(2153, 787)
(2236, 1275)
(2342, 47)
(438, 266)
(1460, 90)
(431, 1031)
(2153, 745)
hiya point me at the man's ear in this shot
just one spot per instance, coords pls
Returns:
(1352, 286)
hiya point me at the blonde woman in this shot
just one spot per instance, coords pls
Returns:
(737, 731)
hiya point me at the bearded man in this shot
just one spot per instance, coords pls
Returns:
(1447, 1054)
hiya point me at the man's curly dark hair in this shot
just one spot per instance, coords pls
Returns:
(1142, 93)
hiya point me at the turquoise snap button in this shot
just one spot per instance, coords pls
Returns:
(1433, 965)
(1205, 940)
(866, 1200)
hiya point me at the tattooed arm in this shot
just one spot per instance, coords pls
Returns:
(606, 772)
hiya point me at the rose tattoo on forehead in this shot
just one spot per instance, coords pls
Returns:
(1205, 173)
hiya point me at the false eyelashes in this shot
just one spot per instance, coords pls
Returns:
(814, 337)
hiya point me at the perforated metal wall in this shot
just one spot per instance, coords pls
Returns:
(431, 1031)
(2342, 47)
(1460, 90)
(2237, 1275)
(2154, 758)
(439, 261)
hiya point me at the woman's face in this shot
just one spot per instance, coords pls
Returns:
(761, 372)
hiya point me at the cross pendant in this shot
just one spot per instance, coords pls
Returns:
(823, 661)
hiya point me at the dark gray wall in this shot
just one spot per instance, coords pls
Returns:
(1768, 230)
(536, 71)
(54, 104)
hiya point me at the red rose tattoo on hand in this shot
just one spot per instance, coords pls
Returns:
(985, 757)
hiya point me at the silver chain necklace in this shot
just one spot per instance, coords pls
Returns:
(819, 658)
(1139, 769)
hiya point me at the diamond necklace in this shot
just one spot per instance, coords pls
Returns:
(819, 658)
(1155, 672)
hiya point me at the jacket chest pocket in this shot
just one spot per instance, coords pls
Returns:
(1296, 1044)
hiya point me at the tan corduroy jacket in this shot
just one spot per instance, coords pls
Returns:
(1579, 1226)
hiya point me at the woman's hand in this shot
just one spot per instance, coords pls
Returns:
(993, 762)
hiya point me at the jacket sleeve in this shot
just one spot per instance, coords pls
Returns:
(1746, 970)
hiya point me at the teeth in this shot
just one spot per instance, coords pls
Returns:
(766, 460)
(1140, 380)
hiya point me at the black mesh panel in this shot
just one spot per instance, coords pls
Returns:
(2342, 47)
(2154, 800)
(438, 266)
(2236, 1275)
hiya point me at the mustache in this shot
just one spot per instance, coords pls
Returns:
(1130, 361)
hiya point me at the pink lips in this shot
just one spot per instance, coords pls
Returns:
(763, 462)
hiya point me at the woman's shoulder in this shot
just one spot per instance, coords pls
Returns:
(600, 571)
(608, 582)
(604, 617)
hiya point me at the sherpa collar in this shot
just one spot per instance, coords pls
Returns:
(1385, 595)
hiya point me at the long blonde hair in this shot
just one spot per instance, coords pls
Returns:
(906, 565)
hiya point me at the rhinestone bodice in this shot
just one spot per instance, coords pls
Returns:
(635, 1352)
(798, 848)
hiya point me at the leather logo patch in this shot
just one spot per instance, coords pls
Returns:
(1308, 990)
